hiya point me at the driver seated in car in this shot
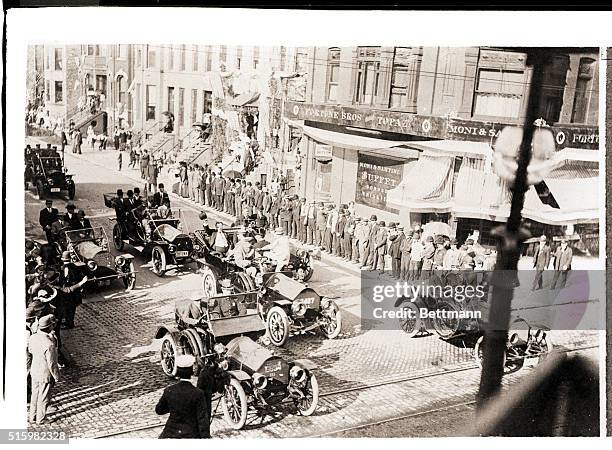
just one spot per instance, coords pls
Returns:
(189, 311)
(230, 305)
(243, 254)
(279, 251)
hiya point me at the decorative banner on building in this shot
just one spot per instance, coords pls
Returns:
(375, 177)
(434, 127)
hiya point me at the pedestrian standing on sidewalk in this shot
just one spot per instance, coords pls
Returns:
(397, 239)
(44, 369)
(64, 140)
(311, 223)
(368, 249)
(428, 258)
(116, 138)
(381, 247)
(238, 200)
(132, 163)
(120, 160)
(144, 164)
(562, 264)
(356, 239)
(320, 224)
(339, 234)
(77, 141)
(405, 249)
(541, 260)
(152, 173)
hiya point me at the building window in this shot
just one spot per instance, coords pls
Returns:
(301, 57)
(194, 106)
(333, 74)
(170, 107)
(101, 84)
(122, 51)
(58, 59)
(223, 57)
(583, 90)
(183, 57)
(121, 89)
(171, 58)
(206, 102)
(208, 58)
(283, 57)
(150, 57)
(405, 79)
(255, 57)
(238, 57)
(93, 50)
(553, 88)
(151, 101)
(139, 58)
(499, 93)
(59, 92)
(181, 111)
(368, 75)
(194, 61)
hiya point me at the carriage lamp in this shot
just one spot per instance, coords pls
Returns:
(506, 150)
(219, 348)
(92, 265)
(171, 248)
(297, 374)
(259, 381)
(50, 180)
(196, 247)
(325, 303)
(119, 260)
(298, 308)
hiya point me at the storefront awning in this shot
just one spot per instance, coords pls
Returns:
(454, 148)
(355, 142)
(426, 186)
(245, 99)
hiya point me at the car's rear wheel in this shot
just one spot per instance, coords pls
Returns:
(277, 325)
(448, 326)
(512, 361)
(158, 259)
(168, 354)
(308, 404)
(40, 190)
(410, 321)
(129, 280)
(332, 321)
(117, 238)
(234, 404)
(209, 282)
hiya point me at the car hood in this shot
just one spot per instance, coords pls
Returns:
(169, 233)
(248, 352)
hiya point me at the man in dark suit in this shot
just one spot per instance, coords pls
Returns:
(47, 216)
(563, 264)
(71, 220)
(82, 221)
(187, 405)
(541, 260)
(161, 197)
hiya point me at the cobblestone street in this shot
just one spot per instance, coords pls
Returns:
(365, 376)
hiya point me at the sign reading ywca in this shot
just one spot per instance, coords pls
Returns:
(375, 177)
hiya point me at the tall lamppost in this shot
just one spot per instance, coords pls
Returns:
(520, 155)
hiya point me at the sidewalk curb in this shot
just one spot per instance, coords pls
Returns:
(226, 218)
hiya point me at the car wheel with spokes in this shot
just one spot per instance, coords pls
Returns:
(277, 325)
(209, 283)
(331, 321)
(410, 320)
(117, 238)
(129, 280)
(158, 259)
(308, 404)
(168, 353)
(234, 404)
(447, 323)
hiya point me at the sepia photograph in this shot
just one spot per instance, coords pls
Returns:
(345, 241)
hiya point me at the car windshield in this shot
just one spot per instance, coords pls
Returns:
(86, 234)
(167, 231)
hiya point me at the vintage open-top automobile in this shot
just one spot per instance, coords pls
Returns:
(89, 252)
(45, 170)
(257, 379)
(159, 238)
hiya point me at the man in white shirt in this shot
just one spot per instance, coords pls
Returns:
(279, 250)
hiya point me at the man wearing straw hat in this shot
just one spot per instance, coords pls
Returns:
(280, 249)
(44, 369)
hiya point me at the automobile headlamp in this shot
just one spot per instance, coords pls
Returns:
(325, 303)
(196, 247)
(50, 180)
(301, 253)
(298, 308)
(219, 348)
(92, 265)
(224, 364)
(119, 260)
(259, 381)
(171, 248)
(297, 374)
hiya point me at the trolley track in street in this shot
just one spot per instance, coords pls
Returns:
(340, 392)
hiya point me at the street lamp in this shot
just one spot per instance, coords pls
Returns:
(514, 150)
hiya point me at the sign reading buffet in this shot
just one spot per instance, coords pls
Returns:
(436, 127)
